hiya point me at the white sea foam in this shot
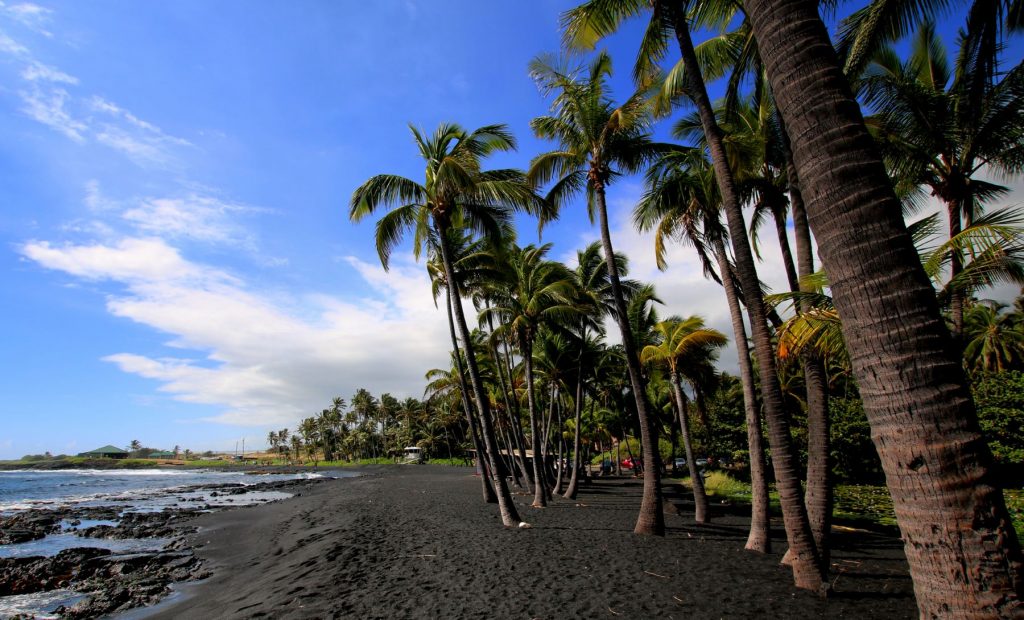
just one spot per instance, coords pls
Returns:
(38, 605)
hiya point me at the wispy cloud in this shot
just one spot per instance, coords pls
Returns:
(141, 141)
(194, 217)
(191, 216)
(32, 16)
(88, 117)
(49, 107)
(12, 47)
(37, 71)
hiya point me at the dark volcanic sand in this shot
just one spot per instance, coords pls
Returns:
(417, 542)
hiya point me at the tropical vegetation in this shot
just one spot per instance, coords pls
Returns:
(886, 362)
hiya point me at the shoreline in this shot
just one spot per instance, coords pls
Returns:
(418, 542)
(102, 559)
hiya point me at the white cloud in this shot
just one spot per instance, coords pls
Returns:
(131, 261)
(267, 358)
(143, 142)
(48, 108)
(30, 15)
(12, 47)
(197, 217)
(37, 71)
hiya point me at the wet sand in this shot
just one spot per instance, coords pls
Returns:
(418, 542)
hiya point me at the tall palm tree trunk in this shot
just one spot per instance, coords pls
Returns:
(517, 427)
(560, 478)
(546, 446)
(787, 252)
(485, 482)
(759, 538)
(956, 265)
(540, 482)
(510, 446)
(964, 555)
(807, 570)
(506, 506)
(650, 520)
(574, 478)
(700, 498)
(516, 449)
(819, 493)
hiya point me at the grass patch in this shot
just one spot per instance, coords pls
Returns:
(856, 504)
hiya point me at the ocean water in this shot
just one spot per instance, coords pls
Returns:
(128, 490)
(131, 489)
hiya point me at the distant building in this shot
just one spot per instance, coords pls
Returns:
(162, 454)
(106, 452)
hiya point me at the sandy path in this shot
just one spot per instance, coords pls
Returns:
(417, 542)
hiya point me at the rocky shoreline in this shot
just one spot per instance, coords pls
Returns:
(111, 580)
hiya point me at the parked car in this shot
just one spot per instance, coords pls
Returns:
(679, 463)
(628, 462)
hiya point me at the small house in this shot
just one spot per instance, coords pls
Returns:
(106, 452)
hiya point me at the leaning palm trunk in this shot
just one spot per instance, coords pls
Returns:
(759, 538)
(499, 365)
(517, 422)
(487, 489)
(560, 478)
(546, 446)
(787, 252)
(818, 496)
(964, 556)
(956, 265)
(807, 569)
(574, 479)
(509, 514)
(650, 520)
(540, 482)
(700, 498)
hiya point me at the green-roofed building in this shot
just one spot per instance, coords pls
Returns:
(162, 454)
(106, 452)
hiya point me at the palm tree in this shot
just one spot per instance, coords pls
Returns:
(456, 194)
(595, 299)
(475, 267)
(598, 142)
(994, 340)
(542, 293)
(678, 340)
(584, 26)
(682, 202)
(939, 127)
(922, 418)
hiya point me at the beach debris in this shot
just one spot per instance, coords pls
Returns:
(523, 525)
(678, 600)
(614, 612)
(655, 574)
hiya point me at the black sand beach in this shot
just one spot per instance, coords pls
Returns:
(417, 542)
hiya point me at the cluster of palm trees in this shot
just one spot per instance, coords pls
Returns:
(845, 140)
(368, 427)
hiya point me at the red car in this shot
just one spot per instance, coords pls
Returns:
(628, 463)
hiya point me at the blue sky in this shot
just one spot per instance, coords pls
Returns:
(176, 264)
